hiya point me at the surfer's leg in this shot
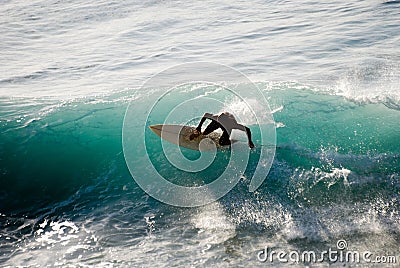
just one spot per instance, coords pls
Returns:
(224, 140)
(211, 127)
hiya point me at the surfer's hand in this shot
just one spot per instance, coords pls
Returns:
(251, 144)
(195, 134)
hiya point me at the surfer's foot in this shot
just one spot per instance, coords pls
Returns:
(194, 135)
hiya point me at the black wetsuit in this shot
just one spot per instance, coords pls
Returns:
(214, 125)
(227, 123)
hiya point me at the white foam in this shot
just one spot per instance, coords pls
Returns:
(247, 111)
(214, 227)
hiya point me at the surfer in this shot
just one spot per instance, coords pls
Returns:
(227, 123)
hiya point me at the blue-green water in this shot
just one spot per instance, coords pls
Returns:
(69, 70)
(66, 190)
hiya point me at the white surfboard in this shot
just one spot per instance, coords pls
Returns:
(180, 135)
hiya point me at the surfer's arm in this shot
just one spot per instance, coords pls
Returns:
(248, 133)
(205, 116)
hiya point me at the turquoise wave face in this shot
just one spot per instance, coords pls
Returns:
(335, 176)
(335, 151)
(337, 132)
(46, 158)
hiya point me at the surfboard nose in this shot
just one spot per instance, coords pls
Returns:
(156, 129)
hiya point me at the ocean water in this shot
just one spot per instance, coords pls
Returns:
(330, 71)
